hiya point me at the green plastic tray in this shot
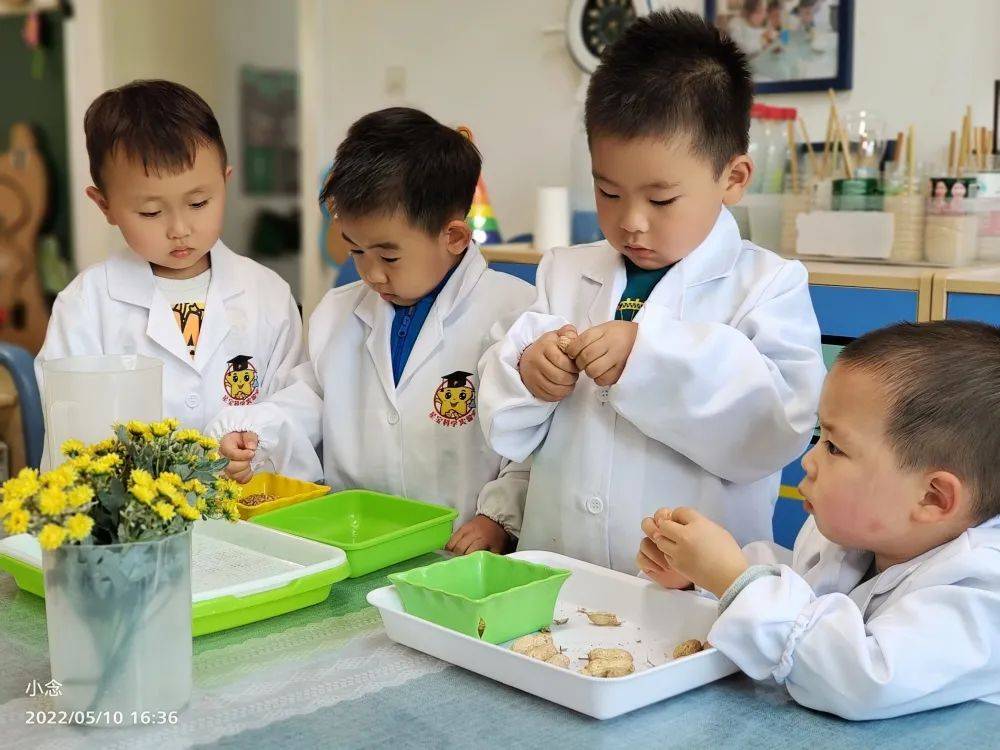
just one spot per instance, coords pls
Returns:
(482, 595)
(227, 611)
(375, 530)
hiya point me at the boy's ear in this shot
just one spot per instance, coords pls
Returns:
(102, 203)
(945, 496)
(457, 236)
(737, 177)
(229, 172)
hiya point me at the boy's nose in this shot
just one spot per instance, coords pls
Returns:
(178, 230)
(634, 222)
(809, 463)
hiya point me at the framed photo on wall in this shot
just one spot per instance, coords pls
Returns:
(793, 45)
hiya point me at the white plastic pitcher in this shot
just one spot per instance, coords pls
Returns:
(84, 396)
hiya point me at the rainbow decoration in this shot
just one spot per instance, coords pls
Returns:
(485, 229)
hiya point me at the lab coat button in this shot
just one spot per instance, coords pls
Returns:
(392, 418)
(192, 400)
(595, 505)
(602, 395)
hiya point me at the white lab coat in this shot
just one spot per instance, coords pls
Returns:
(720, 392)
(922, 634)
(115, 307)
(388, 438)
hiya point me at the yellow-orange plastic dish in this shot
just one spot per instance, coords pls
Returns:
(286, 491)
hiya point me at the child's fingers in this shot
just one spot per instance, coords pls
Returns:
(669, 536)
(601, 366)
(649, 527)
(552, 371)
(649, 550)
(457, 540)
(566, 335)
(242, 476)
(249, 440)
(556, 358)
(591, 353)
(685, 516)
(475, 545)
(663, 514)
(582, 341)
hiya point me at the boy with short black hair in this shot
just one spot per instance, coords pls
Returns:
(673, 357)
(179, 294)
(391, 386)
(890, 602)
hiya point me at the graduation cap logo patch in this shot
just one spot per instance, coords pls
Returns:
(455, 400)
(240, 384)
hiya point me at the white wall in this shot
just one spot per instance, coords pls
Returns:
(488, 64)
(481, 63)
(200, 44)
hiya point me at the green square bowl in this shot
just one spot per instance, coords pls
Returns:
(482, 595)
(375, 530)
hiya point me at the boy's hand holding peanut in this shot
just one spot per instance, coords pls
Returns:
(697, 548)
(546, 371)
(603, 351)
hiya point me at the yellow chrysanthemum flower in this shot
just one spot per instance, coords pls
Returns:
(79, 496)
(72, 448)
(60, 478)
(142, 478)
(17, 522)
(105, 446)
(143, 493)
(233, 513)
(209, 444)
(164, 510)
(201, 505)
(52, 501)
(10, 505)
(171, 423)
(82, 462)
(52, 536)
(78, 526)
(195, 486)
(188, 436)
(229, 489)
(20, 489)
(188, 512)
(171, 494)
(213, 456)
(159, 429)
(170, 478)
(137, 428)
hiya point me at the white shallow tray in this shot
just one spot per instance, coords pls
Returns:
(227, 559)
(654, 621)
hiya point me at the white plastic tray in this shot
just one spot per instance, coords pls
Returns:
(654, 621)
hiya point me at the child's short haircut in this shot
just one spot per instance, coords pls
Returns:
(942, 380)
(403, 159)
(159, 124)
(671, 74)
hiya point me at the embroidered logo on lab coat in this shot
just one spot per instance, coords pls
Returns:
(241, 384)
(455, 400)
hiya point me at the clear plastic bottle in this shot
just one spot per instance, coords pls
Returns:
(777, 150)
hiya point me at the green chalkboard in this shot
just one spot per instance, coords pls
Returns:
(41, 102)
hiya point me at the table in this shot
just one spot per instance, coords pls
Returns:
(327, 676)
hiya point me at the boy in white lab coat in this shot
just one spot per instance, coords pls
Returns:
(890, 602)
(390, 388)
(226, 329)
(697, 368)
